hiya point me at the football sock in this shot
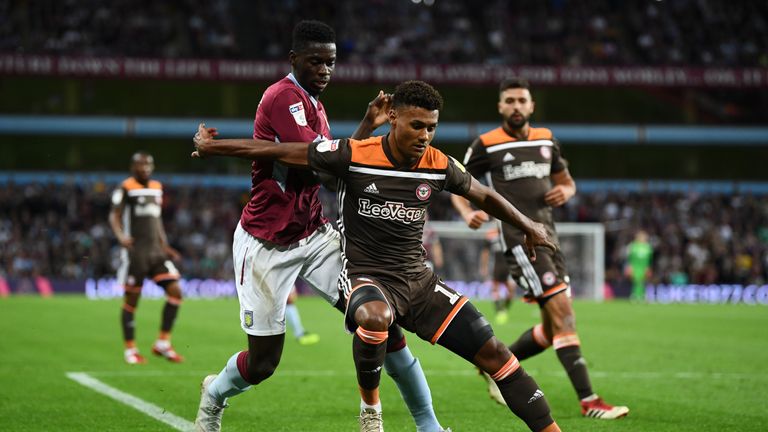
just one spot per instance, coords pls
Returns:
(170, 310)
(530, 343)
(368, 350)
(376, 407)
(501, 305)
(406, 371)
(523, 396)
(127, 322)
(229, 382)
(569, 352)
(294, 320)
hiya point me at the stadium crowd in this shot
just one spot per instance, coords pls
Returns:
(61, 231)
(553, 32)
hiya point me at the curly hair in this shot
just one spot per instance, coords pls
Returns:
(309, 31)
(418, 94)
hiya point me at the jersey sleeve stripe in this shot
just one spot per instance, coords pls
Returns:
(518, 144)
(393, 173)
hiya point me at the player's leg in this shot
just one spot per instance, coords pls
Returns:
(501, 300)
(468, 334)
(405, 370)
(638, 283)
(130, 275)
(293, 320)
(128, 324)
(370, 315)
(257, 266)
(321, 272)
(167, 276)
(565, 340)
(536, 339)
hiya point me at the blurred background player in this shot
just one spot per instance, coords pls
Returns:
(433, 249)
(293, 320)
(136, 220)
(639, 257)
(525, 166)
(283, 233)
(493, 267)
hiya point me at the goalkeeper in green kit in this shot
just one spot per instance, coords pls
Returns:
(639, 256)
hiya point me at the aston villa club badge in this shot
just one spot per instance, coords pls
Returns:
(423, 192)
(248, 318)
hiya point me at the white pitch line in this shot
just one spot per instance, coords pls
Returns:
(638, 375)
(141, 405)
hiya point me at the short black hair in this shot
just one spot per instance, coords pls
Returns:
(514, 83)
(309, 31)
(418, 94)
(140, 154)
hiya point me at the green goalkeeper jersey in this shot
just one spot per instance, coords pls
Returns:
(640, 254)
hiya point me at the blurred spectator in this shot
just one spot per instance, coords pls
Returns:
(553, 32)
(61, 231)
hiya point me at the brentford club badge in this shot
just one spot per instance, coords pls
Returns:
(548, 278)
(546, 152)
(423, 191)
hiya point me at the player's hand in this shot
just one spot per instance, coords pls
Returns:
(202, 138)
(125, 241)
(558, 195)
(475, 219)
(537, 235)
(173, 254)
(378, 109)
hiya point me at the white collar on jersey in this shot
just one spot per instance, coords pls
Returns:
(293, 78)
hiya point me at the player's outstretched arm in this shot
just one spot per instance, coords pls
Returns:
(494, 204)
(289, 153)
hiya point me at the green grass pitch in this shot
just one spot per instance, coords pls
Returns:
(678, 368)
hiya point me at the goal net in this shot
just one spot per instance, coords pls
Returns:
(582, 244)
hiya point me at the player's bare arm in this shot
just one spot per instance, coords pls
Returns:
(474, 218)
(563, 190)
(115, 217)
(375, 116)
(290, 153)
(172, 253)
(494, 204)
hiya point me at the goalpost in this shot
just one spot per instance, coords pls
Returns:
(582, 244)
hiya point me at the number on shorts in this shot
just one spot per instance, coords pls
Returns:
(452, 297)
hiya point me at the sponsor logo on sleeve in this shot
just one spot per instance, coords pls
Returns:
(298, 113)
(548, 278)
(327, 146)
(546, 152)
(458, 164)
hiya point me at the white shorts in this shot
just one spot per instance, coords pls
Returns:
(265, 274)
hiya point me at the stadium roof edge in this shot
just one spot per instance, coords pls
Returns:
(177, 127)
(243, 182)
